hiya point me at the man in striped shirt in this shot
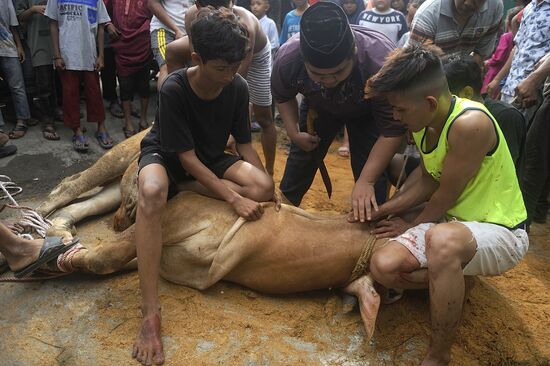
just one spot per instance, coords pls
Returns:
(458, 26)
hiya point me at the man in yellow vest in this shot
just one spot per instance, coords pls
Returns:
(472, 221)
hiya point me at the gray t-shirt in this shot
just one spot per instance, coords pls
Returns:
(7, 19)
(78, 21)
(38, 33)
(176, 9)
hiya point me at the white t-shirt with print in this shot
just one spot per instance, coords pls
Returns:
(78, 22)
(176, 10)
(7, 19)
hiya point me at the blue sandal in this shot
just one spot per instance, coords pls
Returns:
(80, 143)
(104, 140)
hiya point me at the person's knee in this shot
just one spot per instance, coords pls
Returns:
(443, 247)
(263, 116)
(153, 194)
(263, 189)
(382, 265)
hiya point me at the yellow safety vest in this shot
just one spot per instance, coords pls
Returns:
(493, 195)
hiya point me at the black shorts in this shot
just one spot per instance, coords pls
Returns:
(174, 170)
(138, 83)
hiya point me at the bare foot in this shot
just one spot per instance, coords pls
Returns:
(369, 301)
(24, 253)
(148, 344)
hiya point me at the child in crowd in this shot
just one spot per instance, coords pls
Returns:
(31, 13)
(132, 56)
(499, 57)
(74, 27)
(259, 8)
(385, 20)
(12, 56)
(197, 110)
(291, 24)
(412, 7)
(400, 5)
(353, 9)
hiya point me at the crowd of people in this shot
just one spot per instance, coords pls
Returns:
(459, 81)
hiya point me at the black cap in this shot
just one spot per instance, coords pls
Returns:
(325, 35)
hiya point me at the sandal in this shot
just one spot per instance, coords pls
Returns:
(80, 143)
(343, 151)
(18, 131)
(104, 140)
(7, 151)
(143, 127)
(127, 132)
(50, 133)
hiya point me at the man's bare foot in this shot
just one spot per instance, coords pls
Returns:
(148, 344)
(23, 254)
(369, 301)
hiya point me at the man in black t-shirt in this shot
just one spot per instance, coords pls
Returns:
(198, 109)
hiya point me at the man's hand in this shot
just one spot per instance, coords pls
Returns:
(248, 209)
(179, 34)
(38, 9)
(527, 92)
(114, 33)
(305, 141)
(21, 54)
(59, 63)
(391, 228)
(363, 200)
(99, 64)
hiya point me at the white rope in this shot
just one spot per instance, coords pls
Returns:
(30, 220)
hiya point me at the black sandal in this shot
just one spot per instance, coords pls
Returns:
(18, 131)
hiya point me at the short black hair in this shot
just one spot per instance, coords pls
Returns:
(413, 68)
(462, 71)
(214, 3)
(217, 34)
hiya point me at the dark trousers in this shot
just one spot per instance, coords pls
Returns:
(536, 171)
(301, 166)
(45, 86)
(108, 75)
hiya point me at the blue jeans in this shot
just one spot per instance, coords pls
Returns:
(13, 74)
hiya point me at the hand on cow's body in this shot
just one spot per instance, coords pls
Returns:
(363, 201)
(247, 209)
(390, 228)
(305, 141)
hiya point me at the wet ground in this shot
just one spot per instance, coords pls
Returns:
(91, 320)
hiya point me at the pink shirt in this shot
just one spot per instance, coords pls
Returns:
(498, 59)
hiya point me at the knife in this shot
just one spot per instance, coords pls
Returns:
(311, 117)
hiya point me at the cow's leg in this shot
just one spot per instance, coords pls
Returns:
(108, 256)
(109, 167)
(103, 202)
(369, 301)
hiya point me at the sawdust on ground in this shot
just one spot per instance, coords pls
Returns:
(87, 320)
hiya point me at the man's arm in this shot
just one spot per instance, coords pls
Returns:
(423, 27)
(527, 90)
(244, 207)
(158, 10)
(250, 155)
(289, 115)
(26, 12)
(178, 54)
(363, 192)
(493, 85)
(100, 50)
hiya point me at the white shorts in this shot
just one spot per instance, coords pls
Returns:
(498, 248)
(259, 77)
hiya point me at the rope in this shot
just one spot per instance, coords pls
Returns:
(30, 220)
(362, 265)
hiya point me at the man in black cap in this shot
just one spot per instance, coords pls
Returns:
(329, 63)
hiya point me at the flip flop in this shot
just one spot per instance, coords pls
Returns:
(53, 246)
(104, 140)
(18, 131)
(7, 150)
(80, 143)
(49, 133)
(127, 132)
